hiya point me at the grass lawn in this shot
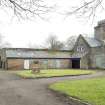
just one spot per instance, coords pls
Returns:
(52, 73)
(90, 90)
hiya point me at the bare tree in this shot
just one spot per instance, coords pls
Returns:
(53, 43)
(33, 8)
(26, 8)
(88, 8)
(71, 42)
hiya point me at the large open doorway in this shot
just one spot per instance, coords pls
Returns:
(76, 63)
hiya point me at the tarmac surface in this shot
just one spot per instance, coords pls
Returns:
(17, 91)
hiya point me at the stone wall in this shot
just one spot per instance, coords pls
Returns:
(82, 49)
(52, 63)
(84, 62)
(96, 56)
(18, 64)
(99, 31)
(81, 46)
(66, 63)
(98, 61)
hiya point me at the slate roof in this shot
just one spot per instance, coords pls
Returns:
(92, 42)
(21, 53)
(41, 54)
(44, 53)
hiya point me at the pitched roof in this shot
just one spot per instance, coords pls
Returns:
(32, 54)
(92, 42)
(24, 53)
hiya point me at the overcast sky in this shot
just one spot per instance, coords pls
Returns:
(21, 33)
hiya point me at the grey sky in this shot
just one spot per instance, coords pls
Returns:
(20, 34)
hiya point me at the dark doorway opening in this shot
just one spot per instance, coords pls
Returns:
(76, 63)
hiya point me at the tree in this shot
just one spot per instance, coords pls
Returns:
(88, 8)
(53, 43)
(71, 42)
(33, 8)
(26, 8)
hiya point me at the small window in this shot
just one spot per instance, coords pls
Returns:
(80, 49)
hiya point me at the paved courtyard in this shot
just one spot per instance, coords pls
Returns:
(17, 91)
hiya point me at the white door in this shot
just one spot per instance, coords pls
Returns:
(26, 64)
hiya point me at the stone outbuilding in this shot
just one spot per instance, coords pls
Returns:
(24, 58)
(82, 52)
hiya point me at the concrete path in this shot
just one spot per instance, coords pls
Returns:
(17, 91)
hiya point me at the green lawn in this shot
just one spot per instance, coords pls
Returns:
(90, 90)
(52, 73)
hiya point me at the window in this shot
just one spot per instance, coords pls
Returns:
(80, 49)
